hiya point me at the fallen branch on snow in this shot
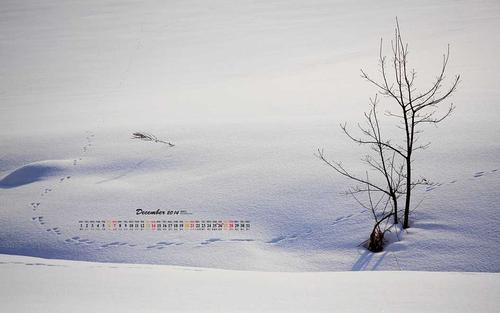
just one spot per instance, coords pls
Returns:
(149, 137)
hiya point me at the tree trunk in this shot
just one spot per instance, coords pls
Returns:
(395, 201)
(406, 223)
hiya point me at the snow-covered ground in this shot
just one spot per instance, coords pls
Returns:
(69, 286)
(264, 173)
(247, 91)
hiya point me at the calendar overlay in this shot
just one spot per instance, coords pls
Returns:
(163, 225)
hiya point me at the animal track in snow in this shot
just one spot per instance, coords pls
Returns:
(343, 218)
(37, 204)
(160, 245)
(63, 178)
(283, 238)
(114, 244)
(474, 176)
(79, 241)
(54, 230)
(211, 240)
(39, 219)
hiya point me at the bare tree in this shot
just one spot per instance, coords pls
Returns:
(414, 108)
(392, 157)
(384, 163)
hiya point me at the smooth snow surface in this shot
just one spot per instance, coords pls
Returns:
(247, 91)
(53, 286)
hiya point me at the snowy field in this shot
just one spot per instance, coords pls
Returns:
(247, 91)
(69, 286)
(299, 219)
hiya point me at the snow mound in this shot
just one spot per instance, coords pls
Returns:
(33, 172)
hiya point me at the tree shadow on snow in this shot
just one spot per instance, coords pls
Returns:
(364, 260)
